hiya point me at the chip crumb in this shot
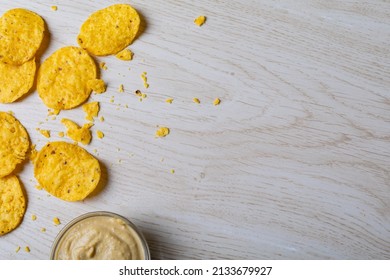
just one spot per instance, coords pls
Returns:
(17, 249)
(196, 100)
(56, 221)
(53, 112)
(99, 134)
(27, 249)
(200, 20)
(145, 79)
(97, 85)
(61, 134)
(43, 229)
(54, 8)
(91, 109)
(101, 119)
(33, 217)
(121, 88)
(169, 100)
(172, 171)
(33, 153)
(44, 132)
(103, 65)
(125, 54)
(216, 101)
(162, 132)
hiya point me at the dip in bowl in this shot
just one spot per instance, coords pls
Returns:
(100, 236)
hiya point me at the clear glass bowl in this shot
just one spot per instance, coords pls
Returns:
(79, 221)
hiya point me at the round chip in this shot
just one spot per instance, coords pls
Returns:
(16, 80)
(67, 171)
(14, 143)
(110, 30)
(63, 78)
(21, 35)
(12, 203)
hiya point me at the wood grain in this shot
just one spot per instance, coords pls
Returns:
(293, 164)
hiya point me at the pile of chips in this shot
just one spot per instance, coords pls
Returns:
(65, 80)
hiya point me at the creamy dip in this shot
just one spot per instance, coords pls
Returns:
(100, 238)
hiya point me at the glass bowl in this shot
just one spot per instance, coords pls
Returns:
(100, 235)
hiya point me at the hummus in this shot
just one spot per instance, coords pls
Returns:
(100, 237)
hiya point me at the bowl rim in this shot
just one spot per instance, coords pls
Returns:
(84, 216)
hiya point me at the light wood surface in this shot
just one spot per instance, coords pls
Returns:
(293, 164)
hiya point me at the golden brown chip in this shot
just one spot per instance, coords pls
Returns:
(12, 203)
(67, 171)
(16, 80)
(77, 133)
(91, 110)
(21, 35)
(110, 30)
(14, 143)
(63, 79)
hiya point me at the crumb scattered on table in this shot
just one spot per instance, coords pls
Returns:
(216, 101)
(99, 134)
(56, 221)
(162, 132)
(200, 20)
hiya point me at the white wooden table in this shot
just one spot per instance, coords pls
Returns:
(293, 164)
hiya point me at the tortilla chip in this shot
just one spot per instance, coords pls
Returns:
(63, 79)
(12, 203)
(16, 80)
(21, 35)
(67, 171)
(14, 143)
(109, 30)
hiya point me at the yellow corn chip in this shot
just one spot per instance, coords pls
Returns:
(63, 78)
(14, 143)
(109, 30)
(16, 80)
(12, 203)
(21, 35)
(67, 171)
